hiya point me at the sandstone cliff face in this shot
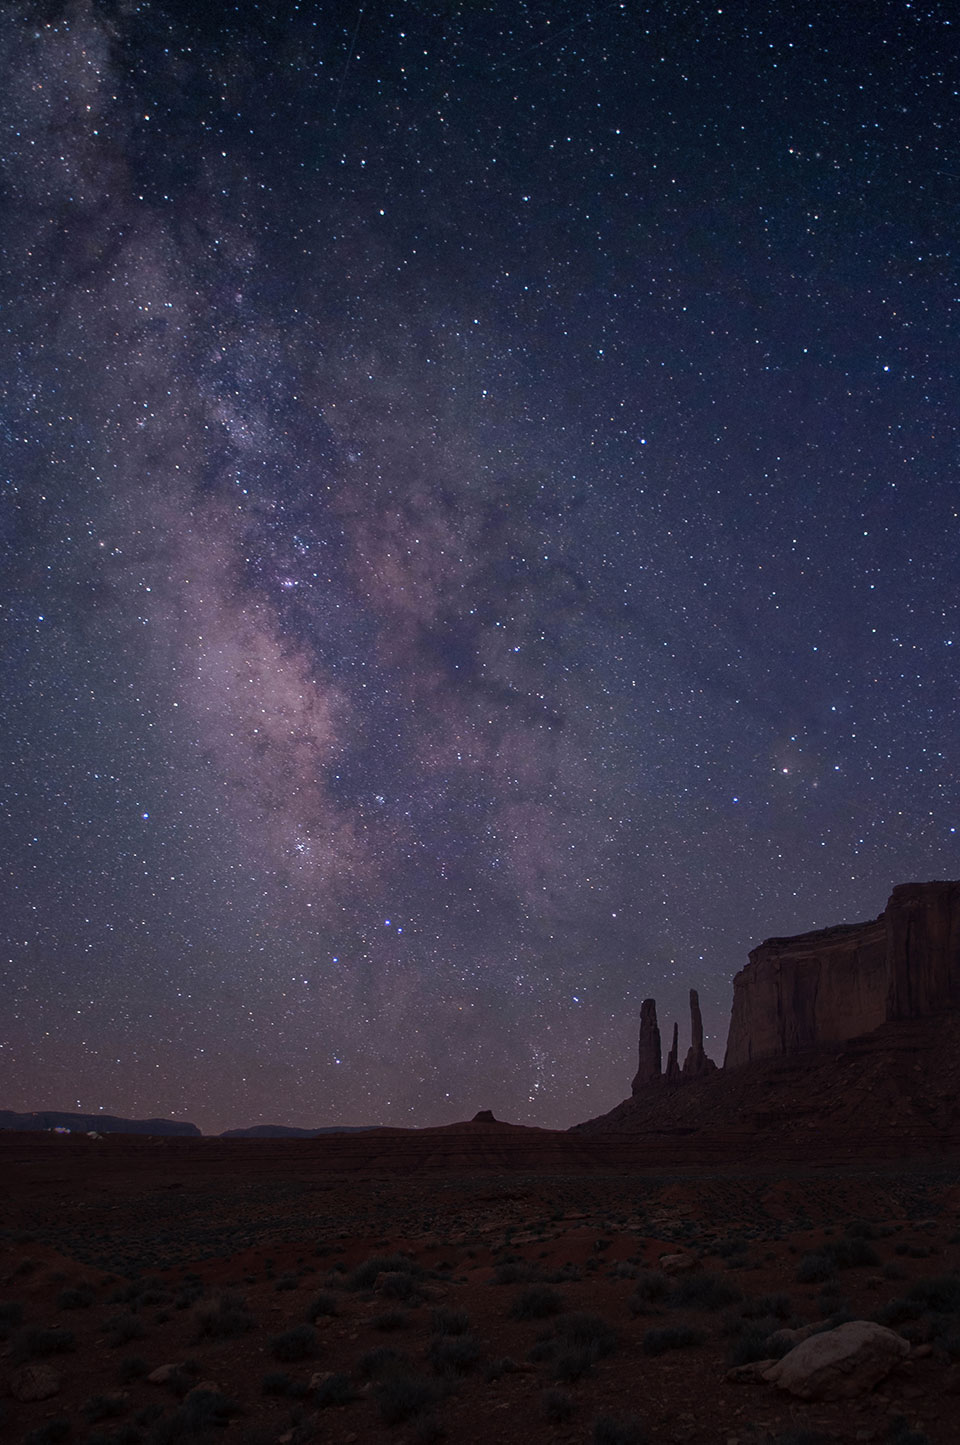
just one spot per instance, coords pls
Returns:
(838, 983)
(923, 939)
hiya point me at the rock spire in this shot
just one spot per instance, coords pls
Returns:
(650, 1058)
(672, 1074)
(696, 1062)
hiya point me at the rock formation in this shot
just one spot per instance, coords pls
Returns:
(923, 949)
(649, 1063)
(838, 983)
(672, 1073)
(696, 1062)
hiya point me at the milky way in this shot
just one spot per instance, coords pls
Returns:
(480, 535)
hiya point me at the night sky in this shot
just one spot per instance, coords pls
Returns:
(479, 536)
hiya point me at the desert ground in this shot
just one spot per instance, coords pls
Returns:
(475, 1284)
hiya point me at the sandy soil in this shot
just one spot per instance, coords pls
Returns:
(123, 1255)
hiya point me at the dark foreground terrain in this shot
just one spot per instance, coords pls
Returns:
(481, 1283)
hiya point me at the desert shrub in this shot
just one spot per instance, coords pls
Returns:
(399, 1285)
(336, 1389)
(556, 1406)
(11, 1315)
(132, 1368)
(892, 1270)
(705, 1292)
(453, 1354)
(732, 1245)
(515, 1271)
(941, 1293)
(852, 1252)
(149, 1415)
(36, 1341)
(428, 1430)
(674, 1337)
(365, 1274)
(286, 1282)
(495, 1369)
(225, 1317)
(389, 1320)
(586, 1331)
(181, 1380)
(815, 1269)
(760, 1307)
(617, 1430)
(278, 1382)
(752, 1342)
(324, 1303)
(861, 1229)
(80, 1298)
(572, 1365)
(449, 1322)
(901, 1434)
(652, 1288)
(49, 1434)
(403, 1396)
(372, 1364)
(154, 1295)
(897, 1311)
(202, 1411)
(300, 1343)
(103, 1407)
(128, 1434)
(121, 1329)
(538, 1302)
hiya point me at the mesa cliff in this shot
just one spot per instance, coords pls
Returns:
(838, 983)
(851, 1033)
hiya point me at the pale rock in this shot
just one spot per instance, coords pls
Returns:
(840, 1363)
(34, 1382)
(756, 1370)
(677, 1263)
(162, 1373)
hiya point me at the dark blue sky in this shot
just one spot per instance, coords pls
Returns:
(480, 535)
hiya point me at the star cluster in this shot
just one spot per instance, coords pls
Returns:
(480, 534)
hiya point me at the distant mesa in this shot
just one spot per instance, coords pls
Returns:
(485, 1116)
(98, 1123)
(286, 1131)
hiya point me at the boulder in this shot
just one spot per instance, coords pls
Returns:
(678, 1263)
(162, 1373)
(649, 1063)
(34, 1382)
(840, 1363)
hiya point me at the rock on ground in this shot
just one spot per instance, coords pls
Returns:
(34, 1382)
(839, 1363)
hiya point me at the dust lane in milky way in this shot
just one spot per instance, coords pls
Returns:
(480, 529)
